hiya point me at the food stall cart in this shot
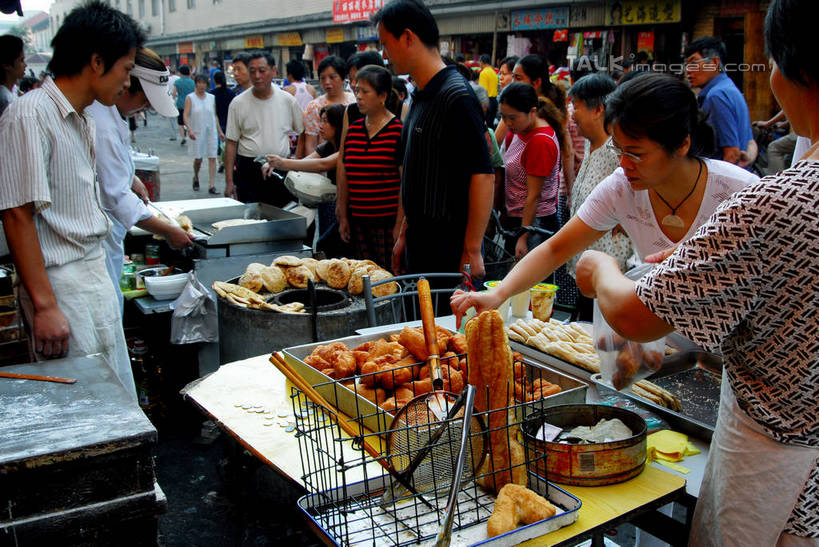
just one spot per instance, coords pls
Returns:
(253, 401)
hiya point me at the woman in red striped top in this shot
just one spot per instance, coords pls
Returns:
(369, 177)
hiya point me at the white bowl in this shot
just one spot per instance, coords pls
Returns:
(164, 288)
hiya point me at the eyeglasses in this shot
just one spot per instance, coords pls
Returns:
(620, 153)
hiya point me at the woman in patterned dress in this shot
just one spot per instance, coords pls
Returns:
(747, 284)
(332, 72)
(662, 192)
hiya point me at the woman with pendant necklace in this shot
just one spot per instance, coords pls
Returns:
(662, 192)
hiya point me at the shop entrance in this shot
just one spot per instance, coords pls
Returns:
(731, 30)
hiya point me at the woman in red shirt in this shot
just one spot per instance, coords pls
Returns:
(369, 176)
(532, 165)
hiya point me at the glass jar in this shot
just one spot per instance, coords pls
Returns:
(152, 254)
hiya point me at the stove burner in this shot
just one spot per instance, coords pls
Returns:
(328, 299)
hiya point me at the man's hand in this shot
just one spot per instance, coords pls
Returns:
(191, 136)
(139, 189)
(178, 238)
(475, 261)
(590, 263)
(521, 247)
(51, 332)
(230, 190)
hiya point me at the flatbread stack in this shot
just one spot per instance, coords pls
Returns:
(569, 342)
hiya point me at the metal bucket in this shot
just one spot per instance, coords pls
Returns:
(593, 464)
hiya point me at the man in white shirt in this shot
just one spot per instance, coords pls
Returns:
(258, 124)
(49, 193)
(115, 168)
(12, 67)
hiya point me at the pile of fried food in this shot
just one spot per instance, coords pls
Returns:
(656, 394)
(339, 273)
(530, 389)
(568, 342)
(517, 505)
(391, 371)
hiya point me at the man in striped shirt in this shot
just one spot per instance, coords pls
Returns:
(447, 182)
(49, 196)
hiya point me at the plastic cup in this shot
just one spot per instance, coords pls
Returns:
(520, 304)
(543, 298)
(503, 309)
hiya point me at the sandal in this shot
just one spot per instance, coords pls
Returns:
(212, 190)
(196, 184)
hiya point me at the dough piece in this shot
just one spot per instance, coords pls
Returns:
(491, 372)
(517, 505)
(386, 288)
(298, 276)
(323, 269)
(355, 285)
(338, 274)
(235, 222)
(252, 281)
(274, 279)
(185, 223)
(287, 261)
(312, 265)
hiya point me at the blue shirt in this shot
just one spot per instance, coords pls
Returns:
(727, 113)
(184, 87)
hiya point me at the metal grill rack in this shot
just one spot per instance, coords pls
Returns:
(348, 483)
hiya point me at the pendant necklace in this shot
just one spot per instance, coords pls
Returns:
(672, 220)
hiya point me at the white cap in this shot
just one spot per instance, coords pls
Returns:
(155, 85)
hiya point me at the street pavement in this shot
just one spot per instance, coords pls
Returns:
(175, 166)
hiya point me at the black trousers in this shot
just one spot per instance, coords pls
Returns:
(252, 187)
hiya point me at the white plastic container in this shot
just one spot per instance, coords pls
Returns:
(163, 288)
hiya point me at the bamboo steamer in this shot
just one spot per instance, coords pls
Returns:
(593, 464)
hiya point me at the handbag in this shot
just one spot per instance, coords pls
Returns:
(310, 188)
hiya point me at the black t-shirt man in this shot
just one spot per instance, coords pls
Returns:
(444, 146)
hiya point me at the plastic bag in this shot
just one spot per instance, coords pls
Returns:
(194, 315)
(623, 362)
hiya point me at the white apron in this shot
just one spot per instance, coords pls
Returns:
(751, 483)
(87, 299)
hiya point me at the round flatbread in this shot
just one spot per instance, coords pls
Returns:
(386, 288)
(286, 261)
(323, 269)
(338, 273)
(356, 286)
(255, 267)
(298, 276)
(312, 265)
(274, 279)
(252, 281)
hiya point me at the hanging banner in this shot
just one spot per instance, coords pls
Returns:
(560, 35)
(184, 47)
(643, 12)
(289, 39)
(254, 42)
(543, 18)
(349, 11)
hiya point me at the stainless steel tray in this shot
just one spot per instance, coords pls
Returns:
(280, 224)
(350, 516)
(698, 390)
(376, 419)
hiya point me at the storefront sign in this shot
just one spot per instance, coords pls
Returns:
(254, 42)
(643, 12)
(349, 11)
(560, 35)
(737, 8)
(645, 42)
(184, 47)
(587, 16)
(289, 39)
(366, 34)
(543, 18)
(334, 35)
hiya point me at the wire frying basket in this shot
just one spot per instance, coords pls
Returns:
(347, 474)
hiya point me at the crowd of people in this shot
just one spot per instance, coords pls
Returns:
(638, 168)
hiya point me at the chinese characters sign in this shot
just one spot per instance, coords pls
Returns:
(642, 12)
(254, 42)
(348, 11)
(536, 19)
